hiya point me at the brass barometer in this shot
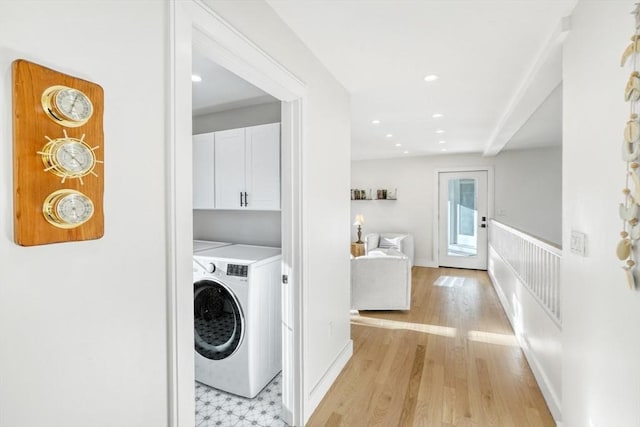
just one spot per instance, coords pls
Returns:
(67, 208)
(67, 106)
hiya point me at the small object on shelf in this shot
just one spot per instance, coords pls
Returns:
(384, 194)
(381, 194)
(357, 194)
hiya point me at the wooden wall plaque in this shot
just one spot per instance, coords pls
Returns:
(58, 147)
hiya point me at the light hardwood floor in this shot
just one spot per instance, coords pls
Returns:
(452, 360)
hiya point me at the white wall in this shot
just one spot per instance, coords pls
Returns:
(527, 194)
(237, 118)
(601, 373)
(249, 227)
(528, 187)
(83, 325)
(325, 178)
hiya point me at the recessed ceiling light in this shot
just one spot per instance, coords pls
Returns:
(196, 78)
(440, 131)
(398, 145)
(442, 142)
(431, 78)
(375, 122)
(437, 115)
(443, 149)
(389, 135)
(405, 152)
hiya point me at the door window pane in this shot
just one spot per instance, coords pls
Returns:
(463, 217)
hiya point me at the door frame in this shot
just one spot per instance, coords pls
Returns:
(436, 202)
(194, 22)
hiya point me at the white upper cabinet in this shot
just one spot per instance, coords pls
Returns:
(203, 176)
(237, 169)
(230, 169)
(262, 167)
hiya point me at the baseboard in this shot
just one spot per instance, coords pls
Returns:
(541, 378)
(423, 262)
(322, 386)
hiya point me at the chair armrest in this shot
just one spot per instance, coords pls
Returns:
(406, 247)
(371, 241)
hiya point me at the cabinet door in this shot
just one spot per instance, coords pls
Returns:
(229, 168)
(203, 176)
(263, 166)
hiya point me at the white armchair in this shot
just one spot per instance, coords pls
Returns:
(381, 279)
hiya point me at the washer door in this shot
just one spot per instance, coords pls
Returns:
(218, 320)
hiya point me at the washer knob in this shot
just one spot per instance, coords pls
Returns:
(211, 267)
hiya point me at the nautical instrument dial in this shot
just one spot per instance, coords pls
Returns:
(67, 208)
(69, 157)
(67, 106)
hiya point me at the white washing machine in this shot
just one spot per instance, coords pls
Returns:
(237, 319)
(201, 245)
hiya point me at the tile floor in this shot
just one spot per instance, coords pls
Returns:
(217, 408)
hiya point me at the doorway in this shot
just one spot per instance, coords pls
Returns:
(462, 219)
(193, 22)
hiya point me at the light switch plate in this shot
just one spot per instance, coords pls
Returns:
(578, 243)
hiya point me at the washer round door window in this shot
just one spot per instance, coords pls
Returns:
(218, 320)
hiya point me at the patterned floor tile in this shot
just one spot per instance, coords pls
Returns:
(215, 408)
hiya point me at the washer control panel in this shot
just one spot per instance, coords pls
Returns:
(237, 270)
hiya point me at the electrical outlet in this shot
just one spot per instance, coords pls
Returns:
(578, 243)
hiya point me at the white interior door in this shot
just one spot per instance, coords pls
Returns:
(462, 219)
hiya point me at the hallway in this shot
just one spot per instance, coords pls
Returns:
(452, 360)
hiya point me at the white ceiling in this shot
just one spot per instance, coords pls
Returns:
(220, 89)
(498, 60)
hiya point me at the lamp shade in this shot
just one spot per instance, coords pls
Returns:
(359, 220)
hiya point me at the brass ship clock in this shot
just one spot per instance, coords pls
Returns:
(58, 141)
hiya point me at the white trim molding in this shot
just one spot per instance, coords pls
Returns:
(232, 50)
(321, 388)
(194, 23)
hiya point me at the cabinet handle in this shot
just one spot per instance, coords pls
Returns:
(241, 199)
(246, 199)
